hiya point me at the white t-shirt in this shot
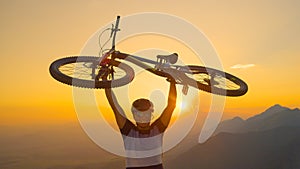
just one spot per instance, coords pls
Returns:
(143, 148)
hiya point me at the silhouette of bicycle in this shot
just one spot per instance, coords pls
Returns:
(108, 70)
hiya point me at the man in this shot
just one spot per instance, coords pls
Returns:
(143, 140)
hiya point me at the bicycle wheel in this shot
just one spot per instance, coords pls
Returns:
(215, 81)
(80, 71)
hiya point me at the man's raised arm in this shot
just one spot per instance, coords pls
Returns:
(168, 111)
(118, 111)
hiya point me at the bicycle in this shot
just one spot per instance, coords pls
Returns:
(108, 71)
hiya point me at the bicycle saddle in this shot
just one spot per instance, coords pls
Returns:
(172, 58)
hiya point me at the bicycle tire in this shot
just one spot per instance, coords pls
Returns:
(57, 72)
(237, 86)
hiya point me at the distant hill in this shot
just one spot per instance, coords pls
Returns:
(270, 140)
(278, 148)
(273, 117)
(63, 146)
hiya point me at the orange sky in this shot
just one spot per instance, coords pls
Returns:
(35, 33)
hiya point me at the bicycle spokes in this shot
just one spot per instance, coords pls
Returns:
(91, 71)
(77, 70)
(216, 80)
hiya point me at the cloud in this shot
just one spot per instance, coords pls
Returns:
(240, 66)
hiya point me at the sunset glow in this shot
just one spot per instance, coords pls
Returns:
(48, 124)
(33, 36)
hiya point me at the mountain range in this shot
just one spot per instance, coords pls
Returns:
(274, 117)
(270, 140)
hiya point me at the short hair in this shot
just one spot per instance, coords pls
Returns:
(142, 104)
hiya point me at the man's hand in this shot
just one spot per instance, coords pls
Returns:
(171, 80)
